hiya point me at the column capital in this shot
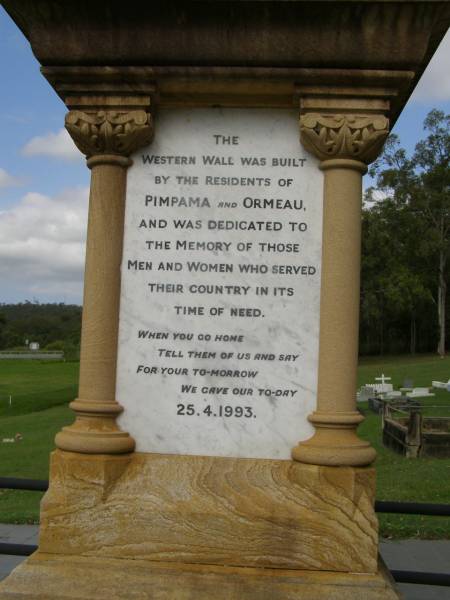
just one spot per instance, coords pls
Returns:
(109, 132)
(357, 137)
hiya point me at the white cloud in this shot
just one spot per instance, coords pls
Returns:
(376, 195)
(7, 180)
(55, 145)
(42, 245)
(435, 82)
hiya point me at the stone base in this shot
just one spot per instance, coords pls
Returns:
(50, 577)
(169, 527)
(208, 510)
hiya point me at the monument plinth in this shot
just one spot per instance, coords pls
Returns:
(214, 450)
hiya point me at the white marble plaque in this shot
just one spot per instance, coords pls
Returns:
(219, 319)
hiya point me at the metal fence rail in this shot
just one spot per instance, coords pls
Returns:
(15, 483)
(412, 508)
(421, 578)
(17, 549)
(381, 506)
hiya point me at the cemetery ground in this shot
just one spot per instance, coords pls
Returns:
(40, 392)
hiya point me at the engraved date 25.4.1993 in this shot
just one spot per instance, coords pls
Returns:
(221, 410)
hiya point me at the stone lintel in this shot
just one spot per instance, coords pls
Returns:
(348, 103)
(96, 102)
(363, 90)
(306, 35)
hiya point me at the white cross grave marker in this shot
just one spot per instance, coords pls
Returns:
(383, 378)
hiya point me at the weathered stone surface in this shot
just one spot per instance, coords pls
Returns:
(193, 509)
(197, 40)
(309, 33)
(47, 577)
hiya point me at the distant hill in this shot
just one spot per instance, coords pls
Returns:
(53, 326)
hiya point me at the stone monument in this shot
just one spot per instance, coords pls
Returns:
(214, 450)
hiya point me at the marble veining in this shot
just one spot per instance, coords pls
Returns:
(194, 269)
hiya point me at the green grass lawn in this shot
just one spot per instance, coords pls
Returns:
(398, 478)
(409, 480)
(40, 392)
(35, 385)
(422, 369)
(28, 458)
(45, 389)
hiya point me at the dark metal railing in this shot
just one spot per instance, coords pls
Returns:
(17, 549)
(381, 506)
(14, 483)
(412, 508)
(421, 577)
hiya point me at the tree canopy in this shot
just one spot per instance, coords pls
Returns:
(53, 326)
(406, 244)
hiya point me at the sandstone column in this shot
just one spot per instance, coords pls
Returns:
(345, 144)
(107, 137)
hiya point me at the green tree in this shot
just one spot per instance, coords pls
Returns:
(43, 323)
(394, 291)
(419, 189)
(2, 327)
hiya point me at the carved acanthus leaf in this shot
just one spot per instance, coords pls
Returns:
(109, 132)
(344, 136)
